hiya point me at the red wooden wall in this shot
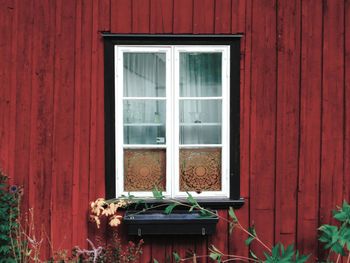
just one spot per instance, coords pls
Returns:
(295, 109)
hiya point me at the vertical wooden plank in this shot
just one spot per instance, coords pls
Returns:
(263, 119)
(140, 16)
(100, 22)
(203, 16)
(6, 19)
(23, 90)
(288, 80)
(332, 110)
(77, 97)
(238, 20)
(310, 127)
(103, 15)
(121, 15)
(13, 88)
(236, 240)
(183, 16)
(82, 101)
(161, 16)
(97, 107)
(346, 191)
(63, 127)
(223, 17)
(42, 119)
(220, 238)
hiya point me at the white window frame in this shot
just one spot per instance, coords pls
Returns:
(172, 98)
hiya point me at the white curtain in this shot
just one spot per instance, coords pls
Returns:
(144, 76)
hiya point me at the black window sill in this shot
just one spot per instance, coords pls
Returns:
(210, 203)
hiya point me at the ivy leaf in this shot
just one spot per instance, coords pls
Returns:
(169, 208)
(176, 257)
(343, 213)
(157, 194)
(191, 200)
(301, 258)
(250, 239)
(232, 214)
(215, 256)
(252, 254)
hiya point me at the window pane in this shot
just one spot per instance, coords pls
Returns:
(200, 169)
(144, 121)
(144, 169)
(200, 121)
(200, 111)
(200, 134)
(200, 74)
(144, 74)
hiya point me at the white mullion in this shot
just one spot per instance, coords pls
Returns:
(169, 120)
(176, 95)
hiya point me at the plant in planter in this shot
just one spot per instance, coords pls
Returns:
(277, 253)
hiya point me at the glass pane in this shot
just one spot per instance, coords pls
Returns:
(200, 74)
(144, 169)
(200, 111)
(200, 121)
(144, 74)
(144, 121)
(200, 134)
(200, 169)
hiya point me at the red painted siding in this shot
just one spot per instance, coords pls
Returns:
(295, 136)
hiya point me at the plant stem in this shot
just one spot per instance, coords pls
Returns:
(338, 258)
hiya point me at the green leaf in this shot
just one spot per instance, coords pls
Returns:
(155, 261)
(176, 257)
(232, 214)
(157, 194)
(252, 254)
(215, 256)
(191, 200)
(169, 208)
(250, 239)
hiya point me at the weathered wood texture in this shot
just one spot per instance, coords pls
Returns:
(295, 135)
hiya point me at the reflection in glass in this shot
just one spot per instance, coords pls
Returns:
(144, 121)
(144, 169)
(144, 111)
(200, 111)
(200, 74)
(200, 134)
(144, 74)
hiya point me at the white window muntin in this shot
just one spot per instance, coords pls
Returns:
(172, 145)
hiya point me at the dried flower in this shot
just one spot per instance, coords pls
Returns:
(115, 220)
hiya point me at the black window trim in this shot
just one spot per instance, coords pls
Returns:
(110, 40)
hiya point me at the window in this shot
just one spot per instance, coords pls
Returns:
(172, 116)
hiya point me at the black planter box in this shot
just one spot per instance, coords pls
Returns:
(176, 223)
